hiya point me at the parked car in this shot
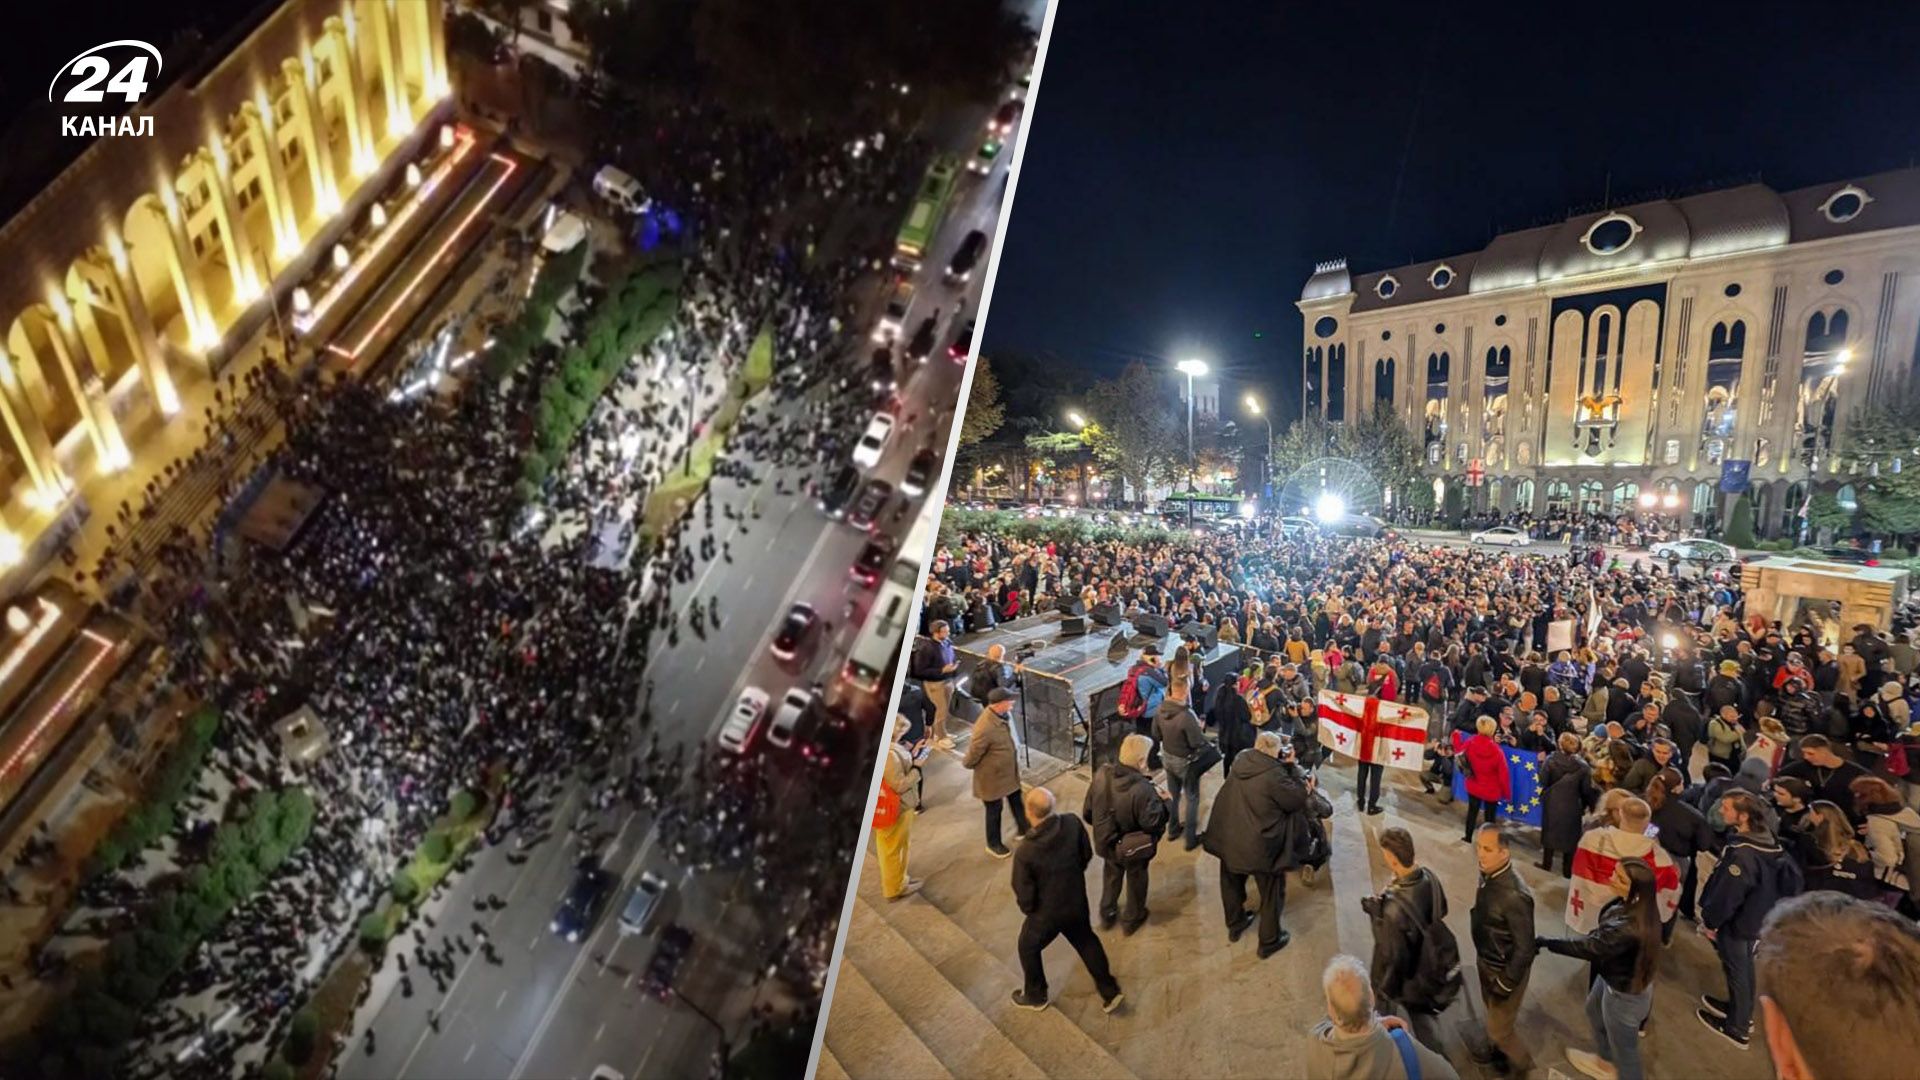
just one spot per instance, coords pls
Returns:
(872, 501)
(1363, 525)
(737, 733)
(839, 492)
(1505, 535)
(669, 956)
(894, 319)
(1295, 526)
(581, 903)
(1847, 553)
(960, 269)
(921, 471)
(795, 630)
(1695, 549)
(786, 719)
(873, 441)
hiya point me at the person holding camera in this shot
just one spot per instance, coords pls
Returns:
(1255, 829)
(1126, 811)
(994, 672)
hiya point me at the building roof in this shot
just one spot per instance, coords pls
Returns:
(1747, 217)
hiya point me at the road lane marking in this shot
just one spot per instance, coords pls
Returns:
(501, 1000)
(599, 1031)
(801, 580)
(535, 943)
(700, 662)
(470, 1051)
(586, 951)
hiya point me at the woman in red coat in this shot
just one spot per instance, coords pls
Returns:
(1486, 767)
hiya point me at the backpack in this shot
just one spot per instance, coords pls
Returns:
(1433, 690)
(1436, 979)
(1151, 693)
(1131, 706)
(1256, 699)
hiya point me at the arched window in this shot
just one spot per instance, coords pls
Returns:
(1625, 494)
(1559, 496)
(1438, 366)
(1825, 332)
(1523, 495)
(1383, 381)
(1336, 383)
(1313, 360)
(1821, 367)
(1728, 341)
(1499, 362)
(1592, 496)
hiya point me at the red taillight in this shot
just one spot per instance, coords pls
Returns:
(1871, 561)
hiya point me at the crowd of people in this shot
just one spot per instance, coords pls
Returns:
(1696, 762)
(451, 639)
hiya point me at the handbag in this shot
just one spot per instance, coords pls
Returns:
(886, 811)
(1135, 847)
(1204, 758)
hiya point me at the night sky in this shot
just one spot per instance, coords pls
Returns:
(1188, 163)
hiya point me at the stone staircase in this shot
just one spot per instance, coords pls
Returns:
(920, 997)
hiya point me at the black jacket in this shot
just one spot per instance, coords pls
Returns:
(1503, 929)
(1684, 831)
(988, 676)
(1233, 720)
(1405, 909)
(1050, 872)
(1249, 827)
(924, 663)
(1567, 791)
(1122, 800)
(1754, 873)
(1611, 948)
(1684, 724)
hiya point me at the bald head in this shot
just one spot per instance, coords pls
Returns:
(1349, 994)
(996, 652)
(1635, 815)
(1134, 750)
(1039, 805)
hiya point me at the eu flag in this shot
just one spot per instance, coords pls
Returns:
(1523, 772)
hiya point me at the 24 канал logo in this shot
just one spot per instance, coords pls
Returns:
(91, 78)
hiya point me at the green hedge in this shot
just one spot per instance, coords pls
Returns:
(1010, 523)
(85, 1034)
(515, 341)
(443, 845)
(634, 312)
(155, 817)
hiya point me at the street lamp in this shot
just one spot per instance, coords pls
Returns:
(1191, 369)
(1078, 421)
(1266, 463)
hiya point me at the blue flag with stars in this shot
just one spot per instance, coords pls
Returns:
(1523, 770)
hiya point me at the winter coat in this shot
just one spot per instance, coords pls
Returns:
(1684, 831)
(1122, 800)
(1334, 1055)
(1050, 872)
(1180, 735)
(1249, 827)
(1887, 845)
(1233, 720)
(1503, 936)
(992, 757)
(1568, 793)
(1754, 874)
(1398, 931)
(1487, 778)
(1612, 948)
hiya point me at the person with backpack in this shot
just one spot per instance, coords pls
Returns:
(1624, 951)
(1140, 693)
(1436, 682)
(1754, 873)
(1416, 959)
(1893, 840)
(1126, 812)
(1187, 755)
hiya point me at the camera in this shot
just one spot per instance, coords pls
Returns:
(1025, 651)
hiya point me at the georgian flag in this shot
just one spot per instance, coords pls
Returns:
(1371, 730)
(1600, 851)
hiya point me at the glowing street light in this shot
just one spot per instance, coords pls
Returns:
(1329, 507)
(1253, 406)
(1190, 368)
(1078, 421)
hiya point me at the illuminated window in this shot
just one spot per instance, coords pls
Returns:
(1387, 287)
(1611, 234)
(1672, 453)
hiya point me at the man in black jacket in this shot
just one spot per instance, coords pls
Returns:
(1503, 944)
(1050, 885)
(1253, 829)
(1121, 802)
(1686, 727)
(1754, 873)
(1402, 915)
(932, 662)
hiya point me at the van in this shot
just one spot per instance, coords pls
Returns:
(618, 188)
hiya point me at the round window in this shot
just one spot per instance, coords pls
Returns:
(1733, 290)
(1845, 205)
(1441, 277)
(1387, 287)
(1499, 320)
(1611, 234)
(1439, 328)
(1834, 277)
(1325, 326)
(1386, 335)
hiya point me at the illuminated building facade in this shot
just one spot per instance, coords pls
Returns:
(1618, 361)
(149, 258)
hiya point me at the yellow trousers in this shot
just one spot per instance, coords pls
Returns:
(891, 843)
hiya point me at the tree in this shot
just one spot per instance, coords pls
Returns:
(1881, 439)
(1740, 522)
(984, 413)
(1455, 504)
(1136, 433)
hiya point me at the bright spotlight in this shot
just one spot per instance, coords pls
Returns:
(1329, 507)
(1247, 510)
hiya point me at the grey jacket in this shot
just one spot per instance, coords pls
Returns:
(1333, 1055)
(991, 756)
(1180, 735)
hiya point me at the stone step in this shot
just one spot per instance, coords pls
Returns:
(869, 1040)
(829, 1067)
(965, 1041)
(1049, 1038)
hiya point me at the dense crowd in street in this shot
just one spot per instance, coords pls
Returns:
(450, 639)
(1696, 762)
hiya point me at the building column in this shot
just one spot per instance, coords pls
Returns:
(286, 230)
(241, 261)
(29, 436)
(87, 388)
(392, 82)
(359, 114)
(147, 352)
(311, 127)
(183, 265)
(436, 18)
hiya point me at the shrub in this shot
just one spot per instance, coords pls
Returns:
(464, 804)
(403, 888)
(301, 1036)
(436, 848)
(1740, 523)
(277, 1069)
(375, 930)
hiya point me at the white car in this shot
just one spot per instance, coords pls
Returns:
(866, 452)
(740, 725)
(894, 318)
(1502, 534)
(1298, 526)
(1694, 549)
(786, 720)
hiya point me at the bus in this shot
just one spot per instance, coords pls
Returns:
(930, 206)
(1178, 507)
(868, 674)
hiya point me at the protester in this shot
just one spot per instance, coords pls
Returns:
(1415, 957)
(1355, 1043)
(1893, 839)
(1488, 784)
(1624, 950)
(1256, 819)
(1839, 987)
(1126, 813)
(1752, 876)
(1567, 793)
(994, 759)
(1503, 943)
(932, 663)
(891, 841)
(1184, 750)
(1050, 885)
